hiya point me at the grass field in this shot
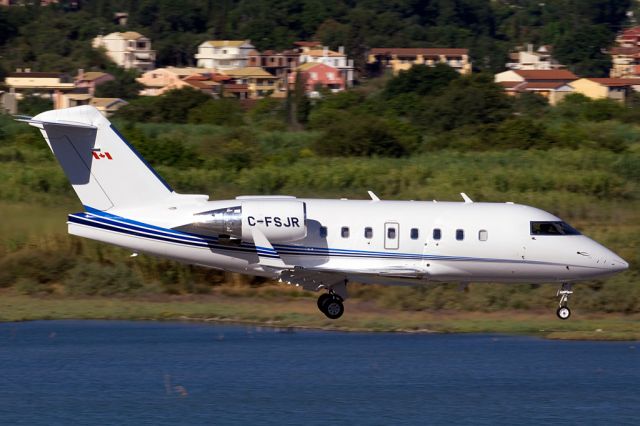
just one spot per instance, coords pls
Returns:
(301, 312)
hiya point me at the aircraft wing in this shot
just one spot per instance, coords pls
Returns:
(315, 278)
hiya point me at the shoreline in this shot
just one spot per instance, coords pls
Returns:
(301, 313)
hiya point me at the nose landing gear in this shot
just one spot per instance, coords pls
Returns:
(331, 305)
(563, 311)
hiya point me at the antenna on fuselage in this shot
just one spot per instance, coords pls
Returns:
(466, 198)
(373, 196)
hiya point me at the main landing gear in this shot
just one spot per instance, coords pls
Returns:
(563, 311)
(331, 305)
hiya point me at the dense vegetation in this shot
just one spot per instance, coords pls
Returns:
(426, 134)
(580, 160)
(578, 29)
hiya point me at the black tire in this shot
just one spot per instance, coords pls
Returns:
(333, 308)
(322, 300)
(563, 312)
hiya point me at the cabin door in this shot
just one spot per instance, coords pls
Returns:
(391, 235)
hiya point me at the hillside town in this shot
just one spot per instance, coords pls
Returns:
(236, 69)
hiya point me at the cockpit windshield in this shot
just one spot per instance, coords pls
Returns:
(552, 228)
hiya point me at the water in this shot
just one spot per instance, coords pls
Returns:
(94, 372)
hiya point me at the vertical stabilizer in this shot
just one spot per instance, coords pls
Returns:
(104, 170)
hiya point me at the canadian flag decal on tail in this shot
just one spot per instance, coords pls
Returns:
(102, 155)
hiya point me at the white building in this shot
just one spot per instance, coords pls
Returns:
(529, 59)
(336, 60)
(129, 50)
(224, 54)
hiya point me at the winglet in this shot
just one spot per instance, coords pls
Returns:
(466, 198)
(373, 196)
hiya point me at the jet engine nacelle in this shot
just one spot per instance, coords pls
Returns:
(280, 221)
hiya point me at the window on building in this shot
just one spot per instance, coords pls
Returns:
(459, 234)
(314, 75)
(483, 235)
(368, 233)
(330, 75)
(437, 234)
(344, 232)
(323, 232)
(415, 233)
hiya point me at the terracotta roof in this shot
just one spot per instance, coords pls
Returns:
(418, 51)
(249, 72)
(310, 65)
(206, 84)
(92, 75)
(129, 35)
(616, 82)
(227, 43)
(546, 74)
(631, 32)
(308, 43)
(624, 50)
(35, 74)
(322, 52)
(510, 84)
(541, 85)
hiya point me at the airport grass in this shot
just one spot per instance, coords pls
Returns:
(288, 312)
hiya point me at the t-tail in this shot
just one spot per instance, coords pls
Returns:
(105, 171)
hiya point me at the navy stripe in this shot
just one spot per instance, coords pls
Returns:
(115, 223)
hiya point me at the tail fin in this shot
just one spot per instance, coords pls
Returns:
(105, 171)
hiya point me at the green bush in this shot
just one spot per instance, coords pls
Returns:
(95, 279)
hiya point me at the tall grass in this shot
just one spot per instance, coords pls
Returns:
(597, 190)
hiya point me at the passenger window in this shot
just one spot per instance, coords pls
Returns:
(323, 232)
(391, 233)
(437, 234)
(368, 233)
(344, 232)
(459, 234)
(415, 233)
(483, 235)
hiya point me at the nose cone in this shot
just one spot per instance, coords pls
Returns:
(618, 265)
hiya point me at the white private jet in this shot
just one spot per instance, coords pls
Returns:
(312, 243)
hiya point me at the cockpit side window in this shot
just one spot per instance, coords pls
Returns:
(552, 228)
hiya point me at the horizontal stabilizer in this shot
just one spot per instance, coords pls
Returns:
(62, 123)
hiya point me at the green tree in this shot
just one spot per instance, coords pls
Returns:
(421, 80)
(173, 106)
(223, 112)
(582, 50)
(34, 104)
(124, 86)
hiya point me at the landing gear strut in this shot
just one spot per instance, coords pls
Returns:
(563, 311)
(331, 305)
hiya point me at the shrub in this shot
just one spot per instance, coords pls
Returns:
(95, 279)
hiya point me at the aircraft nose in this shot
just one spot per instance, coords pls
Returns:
(618, 265)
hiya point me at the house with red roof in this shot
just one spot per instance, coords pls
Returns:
(316, 76)
(552, 84)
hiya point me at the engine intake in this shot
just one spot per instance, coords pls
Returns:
(279, 220)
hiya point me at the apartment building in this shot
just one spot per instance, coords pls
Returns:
(130, 50)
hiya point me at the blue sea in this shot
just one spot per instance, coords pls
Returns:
(172, 373)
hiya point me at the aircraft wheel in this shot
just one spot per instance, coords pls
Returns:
(322, 300)
(333, 308)
(563, 312)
